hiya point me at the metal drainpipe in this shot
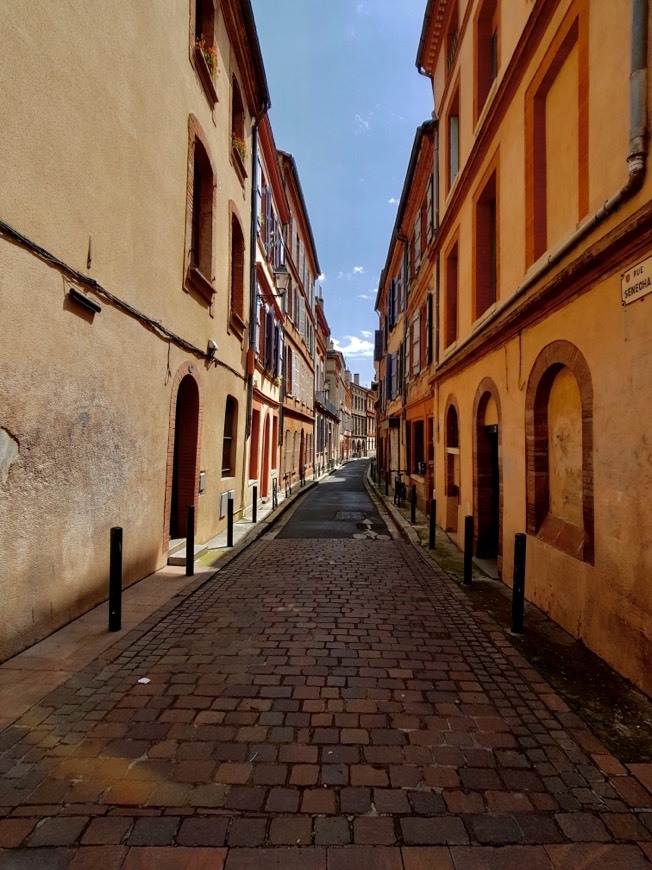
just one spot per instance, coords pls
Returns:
(636, 160)
(252, 284)
(403, 429)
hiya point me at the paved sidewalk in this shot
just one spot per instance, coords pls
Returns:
(330, 704)
(27, 678)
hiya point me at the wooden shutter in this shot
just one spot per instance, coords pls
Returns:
(430, 222)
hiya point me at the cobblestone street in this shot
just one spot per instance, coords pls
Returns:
(317, 704)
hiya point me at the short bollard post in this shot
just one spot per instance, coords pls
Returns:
(413, 504)
(518, 587)
(190, 540)
(229, 523)
(254, 505)
(433, 523)
(387, 483)
(115, 580)
(468, 551)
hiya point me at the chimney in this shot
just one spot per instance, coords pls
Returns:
(356, 380)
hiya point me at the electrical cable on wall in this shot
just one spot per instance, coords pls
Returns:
(154, 325)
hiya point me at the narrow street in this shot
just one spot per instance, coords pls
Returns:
(325, 701)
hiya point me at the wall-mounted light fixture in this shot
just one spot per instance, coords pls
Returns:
(212, 348)
(84, 301)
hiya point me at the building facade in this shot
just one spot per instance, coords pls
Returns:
(541, 388)
(326, 414)
(126, 223)
(299, 371)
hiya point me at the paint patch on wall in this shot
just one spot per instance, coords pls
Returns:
(9, 450)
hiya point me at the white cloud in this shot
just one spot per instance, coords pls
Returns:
(365, 333)
(354, 348)
(363, 123)
(392, 200)
(356, 270)
(321, 277)
(364, 296)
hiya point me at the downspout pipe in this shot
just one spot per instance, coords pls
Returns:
(253, 230)
(405, 241)
(636, 163)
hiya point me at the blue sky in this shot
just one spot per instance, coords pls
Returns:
(346, 102)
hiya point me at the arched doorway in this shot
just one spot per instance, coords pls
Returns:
(452, 459)
(302, 454)
(184, 464)
(264, 483)
(487, 472)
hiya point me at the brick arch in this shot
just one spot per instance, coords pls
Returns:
(451, 489)
(483, 470)
(187, 369)
(551, 360)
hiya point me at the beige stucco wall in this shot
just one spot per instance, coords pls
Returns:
(94, 144)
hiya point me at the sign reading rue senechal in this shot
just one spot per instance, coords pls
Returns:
(637, 281)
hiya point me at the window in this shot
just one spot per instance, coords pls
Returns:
(274, 447)
(557, 135)
(237, 272)
(203, 48)
(486, 35)
(486, 248)
(288, 451)
(229, 438)
(450, 314)
(559, 450)
(452, 37)
(200, 209)
(416, 344)
(201, 240)
(453, 139)
(238, 144)
(418, 456)
(289, 371)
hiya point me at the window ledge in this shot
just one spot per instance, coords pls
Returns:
(236, 323)
(238, 165)
(197, 281)
(205, 76)
(563, 535)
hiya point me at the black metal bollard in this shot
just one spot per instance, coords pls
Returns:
(413, 504)
(518, 587)
(387, 483)
(468, 551)
(190, 540)
(229, 523)
(433, 523)
(254, 505)
(115, 580)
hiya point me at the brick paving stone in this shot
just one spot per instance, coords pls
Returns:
(596, 857)
(233, 773)
(582, 827)
(369, 831)
(295, 831)
(318, 801)
(153, 832)
(179, 858)
(426, 858)
(95, 857)
(494, 829)
(332, 832)
(14, 831)
(275, 859)
(203, 831)
(355, 800)
(106, 831)
(36, 859)
(500, 858)
(365, 858)
(58, 832)
(247, 832)
(283, 800)
(247, 798)
(434, 831)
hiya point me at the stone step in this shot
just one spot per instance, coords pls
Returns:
(178, 557)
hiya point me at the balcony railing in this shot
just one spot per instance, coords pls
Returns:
(320, 397)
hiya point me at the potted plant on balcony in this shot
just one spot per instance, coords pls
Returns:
(209, 54)
(238, 145)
